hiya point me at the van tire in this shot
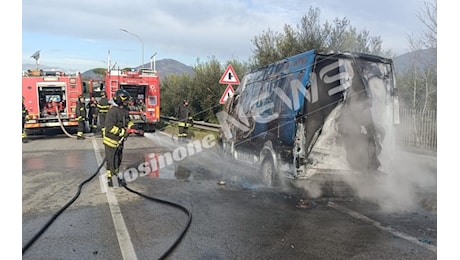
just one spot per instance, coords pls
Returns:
(269, 174)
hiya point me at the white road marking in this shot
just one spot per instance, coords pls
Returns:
(124, 240)
(380, 226)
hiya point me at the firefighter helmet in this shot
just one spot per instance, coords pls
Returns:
(121, 97)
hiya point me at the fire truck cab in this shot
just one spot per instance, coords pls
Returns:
(48, 94)
(144, 87)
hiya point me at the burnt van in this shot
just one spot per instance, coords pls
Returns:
(314, 113)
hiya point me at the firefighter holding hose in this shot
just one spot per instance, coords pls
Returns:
(117, 127)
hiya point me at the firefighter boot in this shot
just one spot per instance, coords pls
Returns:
(24, 137)
(109, 179)
(80, 136)
(116, 178)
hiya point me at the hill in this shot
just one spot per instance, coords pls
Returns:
(170, 66)
(420, 58)
(165, 67)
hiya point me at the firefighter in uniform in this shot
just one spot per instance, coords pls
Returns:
(117, 124)
(185, 120)
(102, 109)
(25, 116)
(92, 114)
(81, 117)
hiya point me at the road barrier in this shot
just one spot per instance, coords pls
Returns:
(417, 129)
(198, 124)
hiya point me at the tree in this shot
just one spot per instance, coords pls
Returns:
(418, 84)
(420, 80)
(202, 89)
(174, 89)
(266, 48)
(427, 15)
(206, 89)
(310, 34)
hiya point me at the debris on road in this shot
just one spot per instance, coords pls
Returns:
(306, 204)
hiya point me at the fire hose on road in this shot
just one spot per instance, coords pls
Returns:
(124, 185)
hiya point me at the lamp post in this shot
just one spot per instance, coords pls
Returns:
(153, 58)
(142, 42)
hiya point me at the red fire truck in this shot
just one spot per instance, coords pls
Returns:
(47, 93)
(144, 87)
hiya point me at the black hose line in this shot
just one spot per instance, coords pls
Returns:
(122, 183)
(56, 215)
(189, 214)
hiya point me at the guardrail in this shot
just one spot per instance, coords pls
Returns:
(198, 124)
(416, 130)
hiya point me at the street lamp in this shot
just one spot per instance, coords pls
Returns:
(153, 58)
(142, 42)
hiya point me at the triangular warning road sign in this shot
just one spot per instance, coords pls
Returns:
(229, 76)
(227, 93)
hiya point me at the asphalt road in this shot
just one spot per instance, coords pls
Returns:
(233, 216)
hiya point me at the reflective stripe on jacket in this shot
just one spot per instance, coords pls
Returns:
(81, 111)
(103, 105)
(116, 123)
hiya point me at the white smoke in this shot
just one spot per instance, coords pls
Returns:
(404, 188)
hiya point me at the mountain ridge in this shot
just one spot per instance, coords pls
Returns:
(164, 66)
(419, 58)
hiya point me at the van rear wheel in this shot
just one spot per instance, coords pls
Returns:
(269, 174)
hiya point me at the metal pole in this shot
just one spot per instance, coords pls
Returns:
(154, 65)
(142, 42)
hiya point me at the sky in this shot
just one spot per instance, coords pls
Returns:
(78, 35)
